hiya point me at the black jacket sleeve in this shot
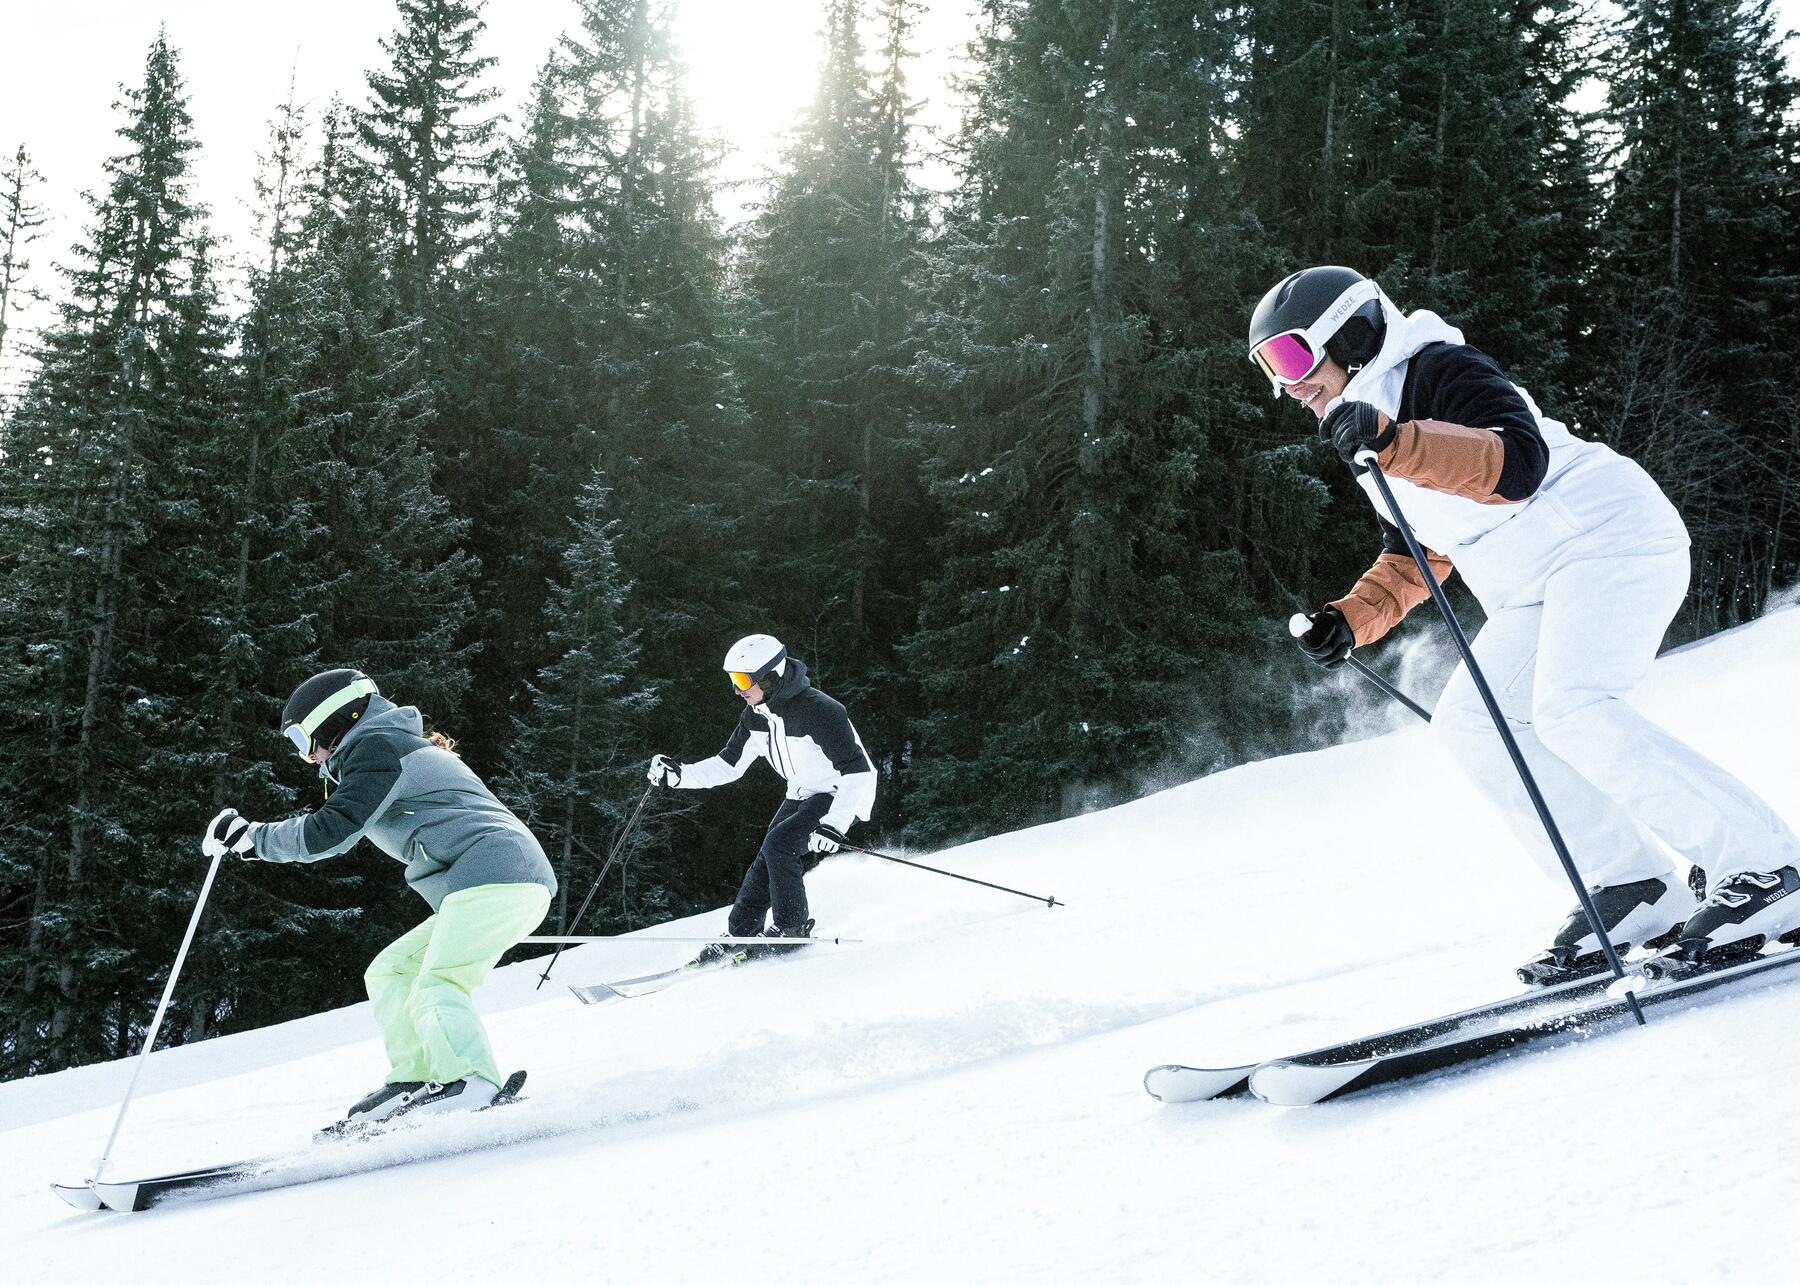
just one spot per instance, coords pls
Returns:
(833, 733)
(1458, 384)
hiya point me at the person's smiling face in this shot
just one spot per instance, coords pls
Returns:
(1317, 390)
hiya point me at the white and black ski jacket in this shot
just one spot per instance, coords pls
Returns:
(808, 738)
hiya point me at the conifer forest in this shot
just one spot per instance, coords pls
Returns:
(503, 411)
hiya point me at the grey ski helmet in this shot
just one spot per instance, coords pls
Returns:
(1316, 313)
(324, 707)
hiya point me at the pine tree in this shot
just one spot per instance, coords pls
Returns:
(1090, 596)
(428, 140)
(665, 411)
(830, 294)
(523, 387)
(384, 544)
(20, 221)
(1693, 320)
(103, 501)
(270, 945)
(574, 767)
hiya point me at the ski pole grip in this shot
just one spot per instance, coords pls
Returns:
(1299, 623)
(1366, 457)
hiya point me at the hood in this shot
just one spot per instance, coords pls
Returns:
(382, 713)
(789, 685)
(1381, 382)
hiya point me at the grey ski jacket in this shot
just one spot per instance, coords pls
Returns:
(416, 802)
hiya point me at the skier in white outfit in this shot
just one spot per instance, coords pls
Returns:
(1580, 562)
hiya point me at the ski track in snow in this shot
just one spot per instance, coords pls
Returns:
(958, 1098)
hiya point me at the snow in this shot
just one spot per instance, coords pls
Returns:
(958, 1098)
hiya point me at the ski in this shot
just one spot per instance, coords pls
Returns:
(1175, 1083)
(508, 1094)
(650, 983)
(139, 1194)
(1310, 1078)
(131, 1196)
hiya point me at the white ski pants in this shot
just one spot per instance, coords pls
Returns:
(1560, 670)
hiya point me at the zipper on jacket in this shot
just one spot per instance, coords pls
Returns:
(777, 735)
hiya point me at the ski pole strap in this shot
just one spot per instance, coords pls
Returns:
(729, 941)
(920, 865)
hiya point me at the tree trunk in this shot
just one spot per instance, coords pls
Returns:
(1084, 571)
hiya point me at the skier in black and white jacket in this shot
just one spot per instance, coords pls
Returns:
(808, 738)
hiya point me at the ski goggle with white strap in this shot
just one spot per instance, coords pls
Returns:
(301, 734)
(1292, 355)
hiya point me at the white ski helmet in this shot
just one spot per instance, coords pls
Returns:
(754, 660)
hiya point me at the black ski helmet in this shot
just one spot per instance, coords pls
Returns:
(324, 707)
(1299, 301)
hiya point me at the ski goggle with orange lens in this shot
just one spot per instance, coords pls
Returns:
(743, 682)
(1292, 355)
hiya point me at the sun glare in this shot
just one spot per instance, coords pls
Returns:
(751, 68)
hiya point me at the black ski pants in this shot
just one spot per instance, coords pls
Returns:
(776, 878)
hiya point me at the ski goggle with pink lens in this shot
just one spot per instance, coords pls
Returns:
(1292, 355)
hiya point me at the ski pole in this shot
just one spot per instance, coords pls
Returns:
(1298, 624)
(919, 865)
(618, 847)
(161, 1008)
(1367, 459)
(728, 941)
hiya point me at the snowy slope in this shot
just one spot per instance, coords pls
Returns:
(958, 1099)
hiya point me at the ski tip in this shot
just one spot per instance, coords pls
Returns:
(78, 1196)
(121, 1197)
(1173, 1082)
(598, 993)
(1297, 1084)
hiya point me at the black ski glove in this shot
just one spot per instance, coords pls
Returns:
(1329, 641)
(664, 771)
(825, 838)
(1355, 426)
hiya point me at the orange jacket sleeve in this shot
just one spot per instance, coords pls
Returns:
(1386, 592)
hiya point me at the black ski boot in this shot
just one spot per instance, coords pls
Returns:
(763, 952)
(717, 954)
(1734, 923)
(373, 1109)
(471, 1093)
(1646, 912)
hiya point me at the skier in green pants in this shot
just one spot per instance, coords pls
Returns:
(480, 870)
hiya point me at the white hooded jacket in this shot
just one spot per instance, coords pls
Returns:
(1592, 502)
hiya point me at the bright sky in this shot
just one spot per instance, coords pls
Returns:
(751, 68)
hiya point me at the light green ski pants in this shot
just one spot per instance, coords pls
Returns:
(421, 983)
